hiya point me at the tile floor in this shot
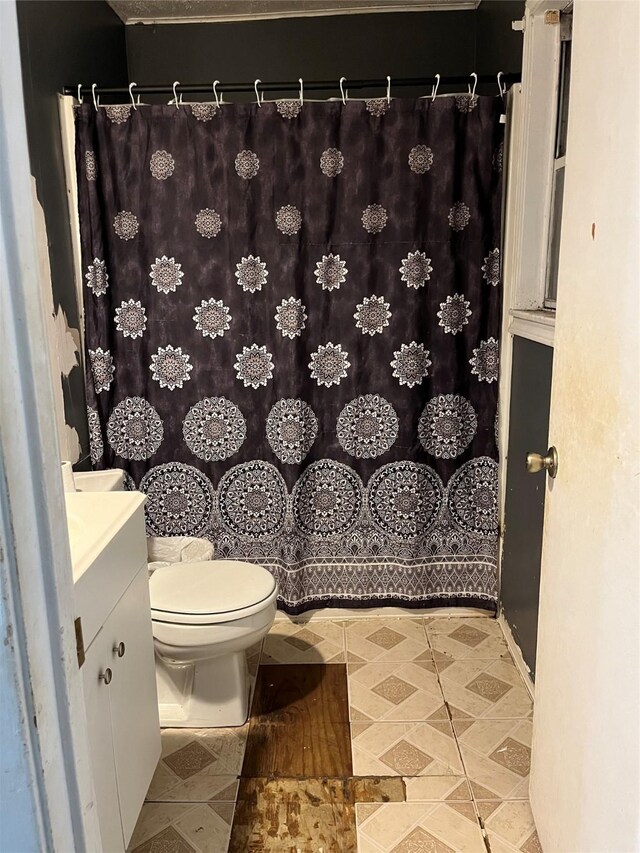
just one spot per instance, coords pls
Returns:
(393, 734)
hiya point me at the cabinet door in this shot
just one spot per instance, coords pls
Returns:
(97, 696)
(134, 699)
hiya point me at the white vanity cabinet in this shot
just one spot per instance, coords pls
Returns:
(112, 602)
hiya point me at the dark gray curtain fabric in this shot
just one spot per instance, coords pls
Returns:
(292, 321)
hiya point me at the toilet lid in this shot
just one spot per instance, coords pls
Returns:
(200, 592)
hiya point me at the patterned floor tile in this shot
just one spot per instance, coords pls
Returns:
(188, 752)
(510, 826)
(206, 827)
(153, 819)
(496, 756)
(462, 639)
(297, 642)
(427, 789)
(483, 688)
(405, 749)
(395, 691)
(386, 640)
(418, 828)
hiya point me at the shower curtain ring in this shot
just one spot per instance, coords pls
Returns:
(175, 94)
(133, 100)
(434, 88)
(388, 89)
(301, 91)
(472, 92)
(215, 92)
(80, 98)
(345, 96)
(96, 100)
(501, 90)
(255, 86)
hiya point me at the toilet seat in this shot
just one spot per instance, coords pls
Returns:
(209, 592)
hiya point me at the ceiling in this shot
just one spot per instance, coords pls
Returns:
(198, 11)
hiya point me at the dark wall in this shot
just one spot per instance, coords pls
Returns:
(406, 44)
(524, 504)
(63, 43)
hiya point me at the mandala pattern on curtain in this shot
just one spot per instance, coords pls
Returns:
(292, 315)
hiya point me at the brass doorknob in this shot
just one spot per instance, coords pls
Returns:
(537, 462)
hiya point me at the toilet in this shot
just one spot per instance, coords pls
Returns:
(205, 616)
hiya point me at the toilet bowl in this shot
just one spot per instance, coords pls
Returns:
(205, 616)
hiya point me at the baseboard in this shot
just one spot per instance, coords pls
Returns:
(384, 613)
(516, 654)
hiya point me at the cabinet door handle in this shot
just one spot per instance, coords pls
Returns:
(106, 676)
(119, 650)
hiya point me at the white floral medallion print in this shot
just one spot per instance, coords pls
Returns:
(459, 216)
(372, 315)
(292, 428)
(411, 364)
(166, 274)
(374, 218)
(416, 269)
(251, 273)
(290, 317)
(131, 319)
(208, 223)
(134, 429)
(486, 360)
(170, 367)
(377, 106)
(367, 427)
(491, 268)
(498, 158)
(125, 224)
(327, 500)
(404, 499)
(204, 112)
(96, 443)
(118, 113)
(454, 313)
(331, 162)
(472, 498)
(162, 165)
(420, 159)
(289, 108)
(254, 366)
(97, 277)
(331, 271)
(247, 164)
(212, 318)
(447, 426)
(180, 500)
(466, 103)
(90, 166)
(289, 219)
(329, 364)
(252, 499)
(214, 429)
(128, 482)
(102, 368)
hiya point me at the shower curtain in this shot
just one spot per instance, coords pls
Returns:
(292, 318)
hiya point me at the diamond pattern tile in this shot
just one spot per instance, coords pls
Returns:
(395, 691)
(386, 640)
(491, 689)
(462, 638)
(189, 760)
(417, 828)
(496, 756)
(511, 829)
(296, 642)
(405, 749)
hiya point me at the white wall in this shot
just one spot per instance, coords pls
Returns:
(585, 787)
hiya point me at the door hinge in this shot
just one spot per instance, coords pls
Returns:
(79, 641)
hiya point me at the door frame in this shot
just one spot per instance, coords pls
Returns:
(35, 557)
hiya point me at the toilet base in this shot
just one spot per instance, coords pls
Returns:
(210, 693)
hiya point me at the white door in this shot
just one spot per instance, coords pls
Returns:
(97, 680)
(134, 700)
(585, 782)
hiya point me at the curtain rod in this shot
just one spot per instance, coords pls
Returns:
(288, 86)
